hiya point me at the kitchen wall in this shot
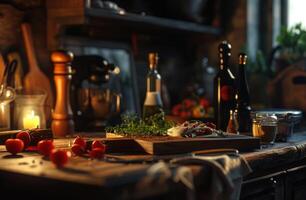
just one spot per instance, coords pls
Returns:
(179, 56)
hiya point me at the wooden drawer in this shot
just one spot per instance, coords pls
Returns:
(270, 187)
(296, 183)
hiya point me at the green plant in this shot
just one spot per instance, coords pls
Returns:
(134, 126)
(259, 65)
(293, 43)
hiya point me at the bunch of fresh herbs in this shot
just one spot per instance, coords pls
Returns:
(132, 125)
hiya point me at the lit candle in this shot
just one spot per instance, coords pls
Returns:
(31, 121)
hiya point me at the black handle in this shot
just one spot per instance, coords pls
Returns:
(11, 71)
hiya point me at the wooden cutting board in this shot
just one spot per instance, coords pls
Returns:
(171, 145)
(35, 78)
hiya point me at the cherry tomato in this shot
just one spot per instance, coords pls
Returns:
(59, 157)
(80, 141)
(204, 102)
(77, 149)
(98, 144)
(14, 146)
(177, 109)
(45, 147)
(25, 137)
(97, 153)
(189, 103)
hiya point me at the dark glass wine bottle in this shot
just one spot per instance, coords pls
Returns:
(243, 100)
(153, 102)
(224, 88)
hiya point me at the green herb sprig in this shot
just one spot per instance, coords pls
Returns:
(132, 125)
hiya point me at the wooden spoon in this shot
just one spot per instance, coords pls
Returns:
(35, 78)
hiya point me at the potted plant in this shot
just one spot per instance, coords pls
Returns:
(291, 47)
(286, 89)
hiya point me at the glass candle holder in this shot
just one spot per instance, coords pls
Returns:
(29, 109)
(5, 122)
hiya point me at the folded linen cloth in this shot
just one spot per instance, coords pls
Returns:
(226, 173)
(214, 177)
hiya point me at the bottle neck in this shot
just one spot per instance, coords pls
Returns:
(223, 67)
(224, 59)
(152, 66)
(242, 73)
(243, 89)
(223, 64)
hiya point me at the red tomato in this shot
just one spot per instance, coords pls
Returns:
(14, 146)
(97, 153)
(80, 141)
(77, 149)
(177, 109)
(189, 103)
(59, 157)
(204, 102)
(25, 137)
(98, 144)
(45, 147)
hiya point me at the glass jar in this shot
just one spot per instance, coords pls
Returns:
(265, 127)
(29, 109)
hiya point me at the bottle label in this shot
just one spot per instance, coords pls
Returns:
(153, 99)
(227, 93)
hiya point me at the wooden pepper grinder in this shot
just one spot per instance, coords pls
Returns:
(62, 117)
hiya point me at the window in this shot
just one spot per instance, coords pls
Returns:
(296, 12)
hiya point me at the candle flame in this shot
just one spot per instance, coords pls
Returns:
(32, 113)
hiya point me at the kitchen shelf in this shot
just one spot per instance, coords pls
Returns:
(71, 14)
(149, 22)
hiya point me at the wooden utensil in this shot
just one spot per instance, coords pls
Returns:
(35, 78)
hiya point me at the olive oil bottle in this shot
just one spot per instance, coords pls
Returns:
(243, 101)
(153, 102)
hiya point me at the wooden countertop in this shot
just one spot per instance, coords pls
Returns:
(102, 174)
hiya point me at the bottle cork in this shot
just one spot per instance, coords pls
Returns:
(242, 59)
(153, 60)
